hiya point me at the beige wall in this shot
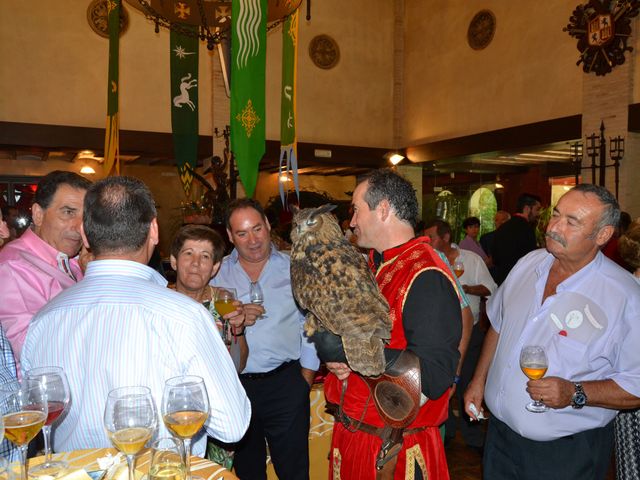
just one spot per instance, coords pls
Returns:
(527, 73)
(54, 71)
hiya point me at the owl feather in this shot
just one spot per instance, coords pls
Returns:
(331, 280)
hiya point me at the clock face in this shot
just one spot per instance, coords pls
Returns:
(481, 29)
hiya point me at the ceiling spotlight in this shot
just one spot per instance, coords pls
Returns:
(396, 158)
(87, 170)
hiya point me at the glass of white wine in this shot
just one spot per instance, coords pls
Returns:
(534, 364)
(224, 299)
(166, 460)
(255, 293)
(458, 268)
(185, 409)
(130, 418)
(24, 410)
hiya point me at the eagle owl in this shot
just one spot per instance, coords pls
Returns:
(331, 280)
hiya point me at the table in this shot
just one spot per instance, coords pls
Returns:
(87, 459)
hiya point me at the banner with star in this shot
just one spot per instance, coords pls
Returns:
(184, 102)
(288, 141)
(248, 76)
(111, 138)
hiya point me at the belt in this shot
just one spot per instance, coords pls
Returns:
(270, 373)
(353, 424)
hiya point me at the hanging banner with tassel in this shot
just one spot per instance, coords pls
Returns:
(248, 76)
(184, 102)
(288, 141)
(112, 138)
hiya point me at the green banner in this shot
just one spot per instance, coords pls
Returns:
(111, 138)
(184, 102)
(248, 75)
(288, 142)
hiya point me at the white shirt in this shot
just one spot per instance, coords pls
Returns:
(590, 330)
(121, 326)
(475, 273)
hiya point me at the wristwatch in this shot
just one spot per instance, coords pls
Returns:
(579, 398)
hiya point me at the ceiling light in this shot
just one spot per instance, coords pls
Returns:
(396, 158)
(87, 170)
(284, 178)
(499, 185)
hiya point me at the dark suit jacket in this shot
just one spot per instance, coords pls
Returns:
(512, 241)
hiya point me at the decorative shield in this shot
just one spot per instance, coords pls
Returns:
(600, 30)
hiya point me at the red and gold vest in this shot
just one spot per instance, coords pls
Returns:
(399, 268)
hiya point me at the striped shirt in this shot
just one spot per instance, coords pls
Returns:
(8, 450)
(121, 326)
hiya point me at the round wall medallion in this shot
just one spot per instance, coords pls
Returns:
(324, 51)
(97, 16)
(481, 29)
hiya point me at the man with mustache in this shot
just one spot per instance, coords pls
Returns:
(41, 263)
(582, 308)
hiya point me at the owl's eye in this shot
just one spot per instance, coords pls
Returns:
(311, 222)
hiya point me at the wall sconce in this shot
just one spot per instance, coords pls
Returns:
(87, 170)
(284, 178)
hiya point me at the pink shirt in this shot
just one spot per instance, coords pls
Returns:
(29, 278)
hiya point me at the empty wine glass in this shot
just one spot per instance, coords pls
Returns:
(54, 382)
(130, 418)
(24, 408)
(534, 364)
(185, 409)
(255, 293)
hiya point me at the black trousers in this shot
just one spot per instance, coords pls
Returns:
(472, 432)
(583, 456)
(280, 413)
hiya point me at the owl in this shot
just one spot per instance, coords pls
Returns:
(331, 280)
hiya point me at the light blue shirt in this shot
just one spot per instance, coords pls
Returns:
(121, 326)
(278, 336)
(590, 329)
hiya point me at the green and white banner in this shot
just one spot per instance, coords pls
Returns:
(248, 75)
(111, 138)
(288, 141)
(184, 102)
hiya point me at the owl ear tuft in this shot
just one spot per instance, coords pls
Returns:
(294, 208)
(326, 208)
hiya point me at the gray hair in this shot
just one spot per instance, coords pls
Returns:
(611, 213)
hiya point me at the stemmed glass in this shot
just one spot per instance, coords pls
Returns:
(24, 410)
(185, 408)
(534, 364)
(223, 302)
(54, 381)
(255, 293)
(458, 268)
(166, 460)
(130, 418)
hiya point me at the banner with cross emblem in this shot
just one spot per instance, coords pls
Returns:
(111, 138)
(184, 99)
(248, 75)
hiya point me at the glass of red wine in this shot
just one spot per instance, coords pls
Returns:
(56, 387)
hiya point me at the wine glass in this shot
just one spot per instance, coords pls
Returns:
(166, 460)
(24, 410)
(534, 364)
(255, 293)
(185, 408)
(223, 302)
(56, 386)
(458, 268)
(130, 418)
